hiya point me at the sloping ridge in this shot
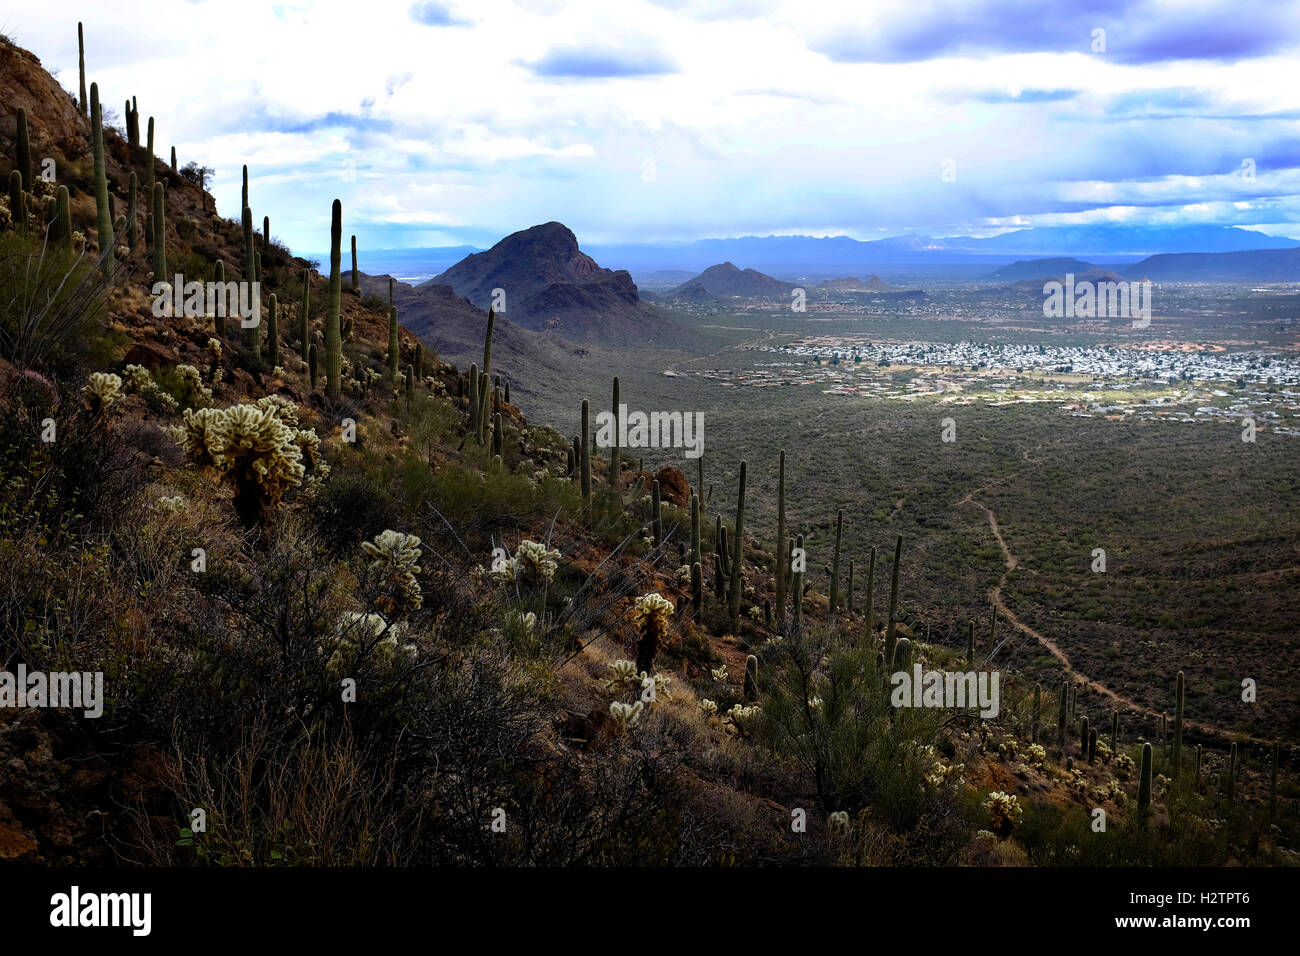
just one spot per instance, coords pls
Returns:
(454, 328)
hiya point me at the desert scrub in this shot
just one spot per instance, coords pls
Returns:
(390, 577)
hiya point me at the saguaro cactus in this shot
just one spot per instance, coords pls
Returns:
(304, 323)
(81, 67)
(17, 201)
(893, 601)
(835, 563)
(159, 235)
(586, 454)
(61, 229)
(696, 556)
(1144, 786)
(697, 591)
(616, 453)
(487, 342)
(737, 562)
(333, 331)
(356, 276)
(871, 594)
(1178, 726)
(782, 562)
(1197, 779)
(472, 387)
(149, 183)
(105, 214)
(173, 159)
(498, 435)
(393, 344)
(1083, 737)
(1062, 714)
(243, 196)
(796, 589)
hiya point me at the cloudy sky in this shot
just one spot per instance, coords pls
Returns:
(440, 123)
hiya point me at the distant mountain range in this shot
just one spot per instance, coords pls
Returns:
(1254, 265)
(801, 259)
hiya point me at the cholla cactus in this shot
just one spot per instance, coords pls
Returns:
(1035, 756)
(839, 821)
(1004, 811)
(626, 716)
(720, 674)
(250, 445)
(171, 504)
(621, 672)
(942, 774)
(709, 708)
(102, 391)
(660, 683)
(356, 632)
(1124, 766)
(651, 614)
(536, 562)
(683, 574)
(745, 719)
(394, 562)
(194, 393)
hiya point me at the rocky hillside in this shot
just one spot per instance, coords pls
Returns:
(550, 285)
(726, 280)
(344, 601)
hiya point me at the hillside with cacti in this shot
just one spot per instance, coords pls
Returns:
(352, 607)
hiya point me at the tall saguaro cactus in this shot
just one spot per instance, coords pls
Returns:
(333, 331)
(1144, 786)
(586, 454)
(61, 230)
(782, 562)
(1178, 726)
(393, 344)
(356, 276)
(737, 557)
(81, 67)
(893, 601)
(871, 594)
(304, 323)
(159, 235)
(616, 453)
(835, 563)
(696, 556)
(105, 214)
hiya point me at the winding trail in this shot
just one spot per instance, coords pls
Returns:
(1011, 562)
